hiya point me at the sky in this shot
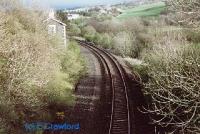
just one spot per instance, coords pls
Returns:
(58, 4)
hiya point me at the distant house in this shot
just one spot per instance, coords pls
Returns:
(57, 28)
(102, 11)
(78, 10)
(73, 16)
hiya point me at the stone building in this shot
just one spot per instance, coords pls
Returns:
(56, 28)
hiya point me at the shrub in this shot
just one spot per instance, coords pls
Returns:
(88, 32)
(106, 41)
(142, 42)
(126, 38)
(62, 16)
(192, 35)
(134, 25)
(174, 87)
(122, 43)
(97, 38)
(28, 62)
(74, 30)
(186, 12)
(35, 71)
(142, 70)
(73, 63)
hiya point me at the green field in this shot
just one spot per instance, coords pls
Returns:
(143, 10)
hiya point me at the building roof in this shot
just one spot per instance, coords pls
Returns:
(52, 17)
(56, 21)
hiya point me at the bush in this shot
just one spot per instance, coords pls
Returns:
(28, 65)
(126, 38)
(192, 35)
(106, 41)
(122, 43)
(142, 70)
(97, 38)
(186, 12)
(35, 71)
(62, 85)
(89, 33)
(74, 30)
(107, 26)
(73, 63)
(142, 42)
(175, 88)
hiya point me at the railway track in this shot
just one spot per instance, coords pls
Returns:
(120, 122)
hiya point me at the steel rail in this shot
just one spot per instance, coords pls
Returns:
(113, 128)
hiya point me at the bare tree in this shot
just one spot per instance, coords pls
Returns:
(188, 11)
(174, 86)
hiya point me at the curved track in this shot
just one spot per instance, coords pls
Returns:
(120, 122)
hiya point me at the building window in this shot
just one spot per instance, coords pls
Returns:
(52, 29)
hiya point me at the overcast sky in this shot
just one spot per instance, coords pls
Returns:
(73, 3)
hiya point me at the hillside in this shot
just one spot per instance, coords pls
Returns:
(143, 10)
